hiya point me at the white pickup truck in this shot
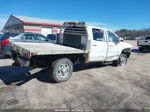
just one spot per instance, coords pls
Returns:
(81, 44)
(144, 43)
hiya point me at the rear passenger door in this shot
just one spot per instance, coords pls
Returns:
(98, 46)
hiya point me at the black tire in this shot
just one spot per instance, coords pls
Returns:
(61, 70)
(141, 49)
(16, 64)
(122, 60)
(115, 63)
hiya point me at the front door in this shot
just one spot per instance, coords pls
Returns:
(98, 48)
(112, 46)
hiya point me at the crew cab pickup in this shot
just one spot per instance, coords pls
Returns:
(144, 43)
(81, 44)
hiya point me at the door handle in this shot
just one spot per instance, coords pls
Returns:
(110, 45)
(94, 45)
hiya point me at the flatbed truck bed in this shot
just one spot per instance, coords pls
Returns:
(44, 48)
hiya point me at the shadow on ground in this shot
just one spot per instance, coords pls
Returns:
(137, 51)
(81, 67)
(17, 75)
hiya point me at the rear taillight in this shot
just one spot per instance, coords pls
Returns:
(5, 42)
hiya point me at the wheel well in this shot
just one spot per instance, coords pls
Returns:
(127, 52)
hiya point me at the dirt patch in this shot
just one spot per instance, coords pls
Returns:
(12, 102)
(1, 84)
(6, 88)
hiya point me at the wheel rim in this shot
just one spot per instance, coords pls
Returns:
(123, 60)
(63, 71)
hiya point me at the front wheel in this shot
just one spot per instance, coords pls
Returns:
(121, 61)
(61, 70)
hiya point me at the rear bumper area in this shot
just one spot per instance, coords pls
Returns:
(23, 62)
(19, 61)
(5, 50)
(7, 53)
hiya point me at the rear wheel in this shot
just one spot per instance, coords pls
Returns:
(61, 70)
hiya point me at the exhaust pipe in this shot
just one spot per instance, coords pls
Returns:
(33, 71)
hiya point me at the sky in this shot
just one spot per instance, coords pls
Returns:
(112, 14)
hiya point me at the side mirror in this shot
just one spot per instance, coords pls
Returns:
(47, 40)
(120, 39)
(51, 36)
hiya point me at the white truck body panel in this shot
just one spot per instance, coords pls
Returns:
(118, 49)
(144, 43)
(98, 49)
(114, 50)
(104, 50)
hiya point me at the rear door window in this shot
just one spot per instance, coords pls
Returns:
(98, 34)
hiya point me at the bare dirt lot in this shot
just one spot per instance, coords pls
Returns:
(92, 86)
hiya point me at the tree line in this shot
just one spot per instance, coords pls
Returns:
(133, 34)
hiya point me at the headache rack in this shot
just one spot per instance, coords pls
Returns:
(76, 28)
(75, 35)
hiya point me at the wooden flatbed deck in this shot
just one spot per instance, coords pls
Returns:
(47, 48)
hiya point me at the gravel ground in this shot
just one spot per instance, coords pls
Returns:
(92, 86)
